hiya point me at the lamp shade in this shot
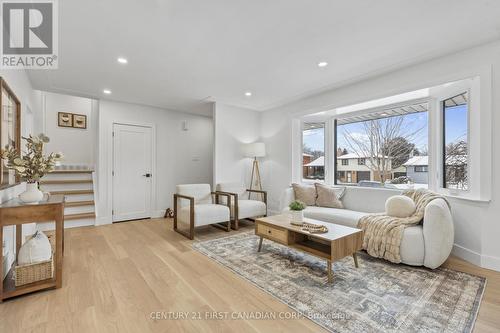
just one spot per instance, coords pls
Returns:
(256, 149)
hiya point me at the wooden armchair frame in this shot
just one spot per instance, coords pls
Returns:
(190, 234)
(235, 221)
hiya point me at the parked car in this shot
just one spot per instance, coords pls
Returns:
(370, 183)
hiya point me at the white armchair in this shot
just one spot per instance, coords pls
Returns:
(242, 206)
(201, 208)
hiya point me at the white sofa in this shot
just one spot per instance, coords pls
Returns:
(428, 244)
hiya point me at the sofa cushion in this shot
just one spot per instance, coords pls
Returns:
(237, 188)
(327, 196)
(200, 192)
(305, 193)
(400, 206)
(345, 217)
(251, 208)
(204, 214)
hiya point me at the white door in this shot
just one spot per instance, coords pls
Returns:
(132, 178)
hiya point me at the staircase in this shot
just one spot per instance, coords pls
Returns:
(78, 188)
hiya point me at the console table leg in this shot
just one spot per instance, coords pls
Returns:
(260, 244)
(355, 257)
(329, 269)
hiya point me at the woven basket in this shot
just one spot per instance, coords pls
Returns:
(30, 273)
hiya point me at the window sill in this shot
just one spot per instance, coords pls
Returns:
(466, 198)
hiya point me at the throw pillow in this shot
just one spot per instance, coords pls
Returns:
(305, 193)
(327, 196)
(36, 249)
(400, 206)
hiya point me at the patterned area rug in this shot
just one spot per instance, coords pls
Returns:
(376, 297)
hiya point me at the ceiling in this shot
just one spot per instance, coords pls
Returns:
(183, 53)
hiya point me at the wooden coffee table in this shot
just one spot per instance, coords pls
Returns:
(339, 242)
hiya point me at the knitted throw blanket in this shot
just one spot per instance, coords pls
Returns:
(382, 233)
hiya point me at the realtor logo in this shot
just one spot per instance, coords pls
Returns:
(29, 34)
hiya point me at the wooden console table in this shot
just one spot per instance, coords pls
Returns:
(15, 212)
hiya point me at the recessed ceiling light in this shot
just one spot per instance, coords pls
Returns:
(322, 64)
(107, 91)
(384, 114)
(248, 94)
(122, 60)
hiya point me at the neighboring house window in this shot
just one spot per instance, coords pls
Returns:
(421, 168)
(345, 162)
(455, 142)
(387, 138)
(313, 151)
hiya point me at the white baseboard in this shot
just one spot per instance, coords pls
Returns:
(466, 254)
(103, 220)
(490, 262)
(481, 260)
(157, 213)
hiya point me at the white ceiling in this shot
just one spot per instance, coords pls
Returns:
(184, 52)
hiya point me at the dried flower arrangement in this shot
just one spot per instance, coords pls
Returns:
(32, 165)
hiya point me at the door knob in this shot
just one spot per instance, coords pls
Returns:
(147, 175)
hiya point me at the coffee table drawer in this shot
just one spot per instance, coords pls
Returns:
(275, 234)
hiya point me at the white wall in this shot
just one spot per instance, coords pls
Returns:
(234, 127)
(477, 225)
(30, 105)
(77, 145)
(181, 156)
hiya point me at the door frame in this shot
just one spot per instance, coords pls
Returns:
(153, 164)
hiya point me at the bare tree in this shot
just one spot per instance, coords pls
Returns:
(456, 165)
(374, 142)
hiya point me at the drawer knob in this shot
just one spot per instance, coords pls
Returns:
(269, 231)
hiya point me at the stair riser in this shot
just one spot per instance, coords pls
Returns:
(67, 224)
(79, 197)
(65, 187)
(78, 210)
(69, 176)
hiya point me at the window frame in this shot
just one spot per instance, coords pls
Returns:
(416, 168)
(325, 167)
(428, 100)
(442, 117)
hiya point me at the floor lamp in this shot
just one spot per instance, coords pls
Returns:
(255, 150)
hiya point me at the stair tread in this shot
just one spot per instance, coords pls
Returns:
(63, 181)
(72, 171)
(79, 216)
(79, 203)
(69, 192)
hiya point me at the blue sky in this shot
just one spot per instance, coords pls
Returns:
(456, 129)
(456, 123)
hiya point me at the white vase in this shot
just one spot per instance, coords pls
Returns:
(297, 216)
(32, 193)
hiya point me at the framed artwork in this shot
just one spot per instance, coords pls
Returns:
(80, 121)
(10, 130)
(65, 119)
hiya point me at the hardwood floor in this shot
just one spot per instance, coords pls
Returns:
(117, 276)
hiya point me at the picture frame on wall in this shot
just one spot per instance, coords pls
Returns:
(80, 121)
(65, 119)
(10, 131)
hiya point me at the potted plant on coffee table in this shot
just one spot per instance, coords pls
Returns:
(297, 211)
